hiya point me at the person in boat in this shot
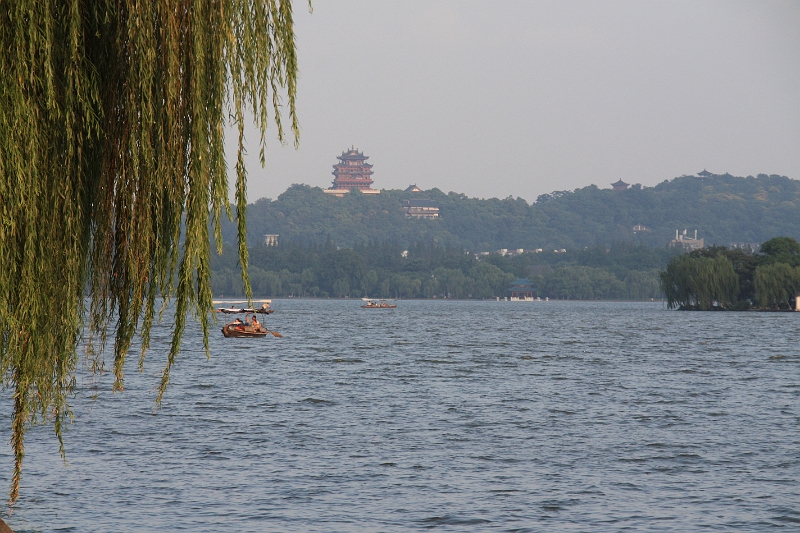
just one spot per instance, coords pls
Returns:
(255, 323)
(237, 321)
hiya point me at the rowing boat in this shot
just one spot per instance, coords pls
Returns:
(235, 329)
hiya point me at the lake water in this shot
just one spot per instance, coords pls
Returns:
(439, 415)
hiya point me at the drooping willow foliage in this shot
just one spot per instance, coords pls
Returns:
(776, 284)
(700, 283)
(112, 115)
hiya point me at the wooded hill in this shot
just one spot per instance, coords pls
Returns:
(723, 208)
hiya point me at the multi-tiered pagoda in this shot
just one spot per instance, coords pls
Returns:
(352, 172)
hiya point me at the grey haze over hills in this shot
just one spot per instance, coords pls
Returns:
(522, 98)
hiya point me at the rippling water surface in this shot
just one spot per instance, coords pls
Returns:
(458, 416)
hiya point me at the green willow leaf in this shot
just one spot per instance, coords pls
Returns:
(112, 165)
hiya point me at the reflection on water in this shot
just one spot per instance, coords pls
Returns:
(461, 416)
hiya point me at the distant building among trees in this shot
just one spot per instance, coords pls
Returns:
(521, 289)
(352, 172)
(682, 240)
(620, 185)
(421, 209)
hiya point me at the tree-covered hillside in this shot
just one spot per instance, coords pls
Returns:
(427, 270)
(723, 208)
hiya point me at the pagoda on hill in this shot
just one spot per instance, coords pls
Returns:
(352, 172)
(620, 185)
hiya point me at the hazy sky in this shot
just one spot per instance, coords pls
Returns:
(522, 98)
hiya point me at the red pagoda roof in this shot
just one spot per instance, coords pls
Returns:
(352, 154)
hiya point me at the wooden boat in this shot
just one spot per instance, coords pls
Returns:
(240, 329)
(377, 304)
(265, 309)
(232, 310)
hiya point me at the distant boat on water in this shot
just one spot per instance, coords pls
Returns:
(265, 309)
(373, 303)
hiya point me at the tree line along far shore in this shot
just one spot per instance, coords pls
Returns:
(711, 278)
(719, 278)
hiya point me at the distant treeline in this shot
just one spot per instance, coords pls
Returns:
(723, 208)
(430, 270)
(724, 279)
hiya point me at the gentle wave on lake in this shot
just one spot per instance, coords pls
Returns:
(443, 415)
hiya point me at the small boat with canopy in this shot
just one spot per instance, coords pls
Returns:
(235, 309)
(378, 303)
